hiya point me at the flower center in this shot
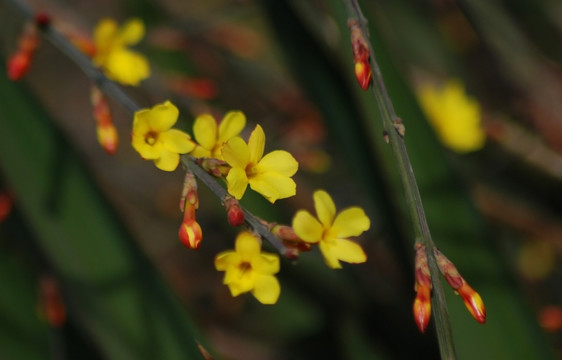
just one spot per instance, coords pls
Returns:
(151, 138)
(245, 267)
(251, 170)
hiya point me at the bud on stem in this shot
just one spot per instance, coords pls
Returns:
(361, 55)
(20, 62)
(471, 298)
(423, 286)
(107, 134)
(233, 211)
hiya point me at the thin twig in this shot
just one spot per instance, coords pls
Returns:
(116, 93)
(392, 124)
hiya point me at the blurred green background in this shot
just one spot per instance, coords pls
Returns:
(104, 228)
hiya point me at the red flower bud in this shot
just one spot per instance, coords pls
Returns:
(6, 204)
(190, 234)
(107, 134)
(18, 65)
(42, 19)
(108, 138)
(51, 302)
(361, 55)
(234, 212)
(422, 307)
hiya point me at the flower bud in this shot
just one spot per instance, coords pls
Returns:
(361, 55)
(107, 134)
(51, 302)
(20, 62)
(190, 234)
(234, 212)
(473, 302)
(422, 307)
(189, 196)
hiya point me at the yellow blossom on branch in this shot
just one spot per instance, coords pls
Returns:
(154, 139)
(248, 269)
(111, 53)
(211, 138)
(331, 231)
(269, 175)
(454, 115)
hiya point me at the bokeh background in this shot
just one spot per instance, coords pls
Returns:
(104, 228)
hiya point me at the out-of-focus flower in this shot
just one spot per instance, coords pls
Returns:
(248, 269)
(154, 139)
(331, 230)
(454, 115)
(211, 138)
(112, 54)
(269, 175)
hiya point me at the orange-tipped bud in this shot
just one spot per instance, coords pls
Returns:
(473, 302)
(108, 138)
(107, 133)
(20, 62)
(471, 298)
(363, 74)
(82, 43)
(234, 212)
(215, 167)
(6, 204)
(422, 307)
(361, 55)
(190, 234)
(294, 244)
(51, 302)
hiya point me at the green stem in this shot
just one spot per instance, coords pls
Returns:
(390, 122)
(116, 93)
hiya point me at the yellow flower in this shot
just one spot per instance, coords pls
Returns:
(454, 115)
(211, 138)
(154, 139)
(112, 55)
(269, 175)
(248, 269)
(331, 231)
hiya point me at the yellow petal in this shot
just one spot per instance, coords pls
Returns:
(146, 151)
(141, 122)
(235, 152)
(240, 286)
(273, 186)
(177, 141)
(205, 131)
(247, 246)
(104, 33)
(226, 260)
(237, 182)
(267, 264)
(126, 67)
(349, 251)
(256, 144)
(131, 32)
(231, 125)
(267, 289)
(350, 222)
(168, 161)
(341, 249)
(329, 254)
(307, 227)
(279, 161)
(200, 152)
(163, 116)
(325, 207)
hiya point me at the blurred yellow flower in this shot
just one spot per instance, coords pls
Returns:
(454, 115)
(112, 55)
(331, 230)
(269, 175)
(211, 138)
(154, 139)
(248, 269)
